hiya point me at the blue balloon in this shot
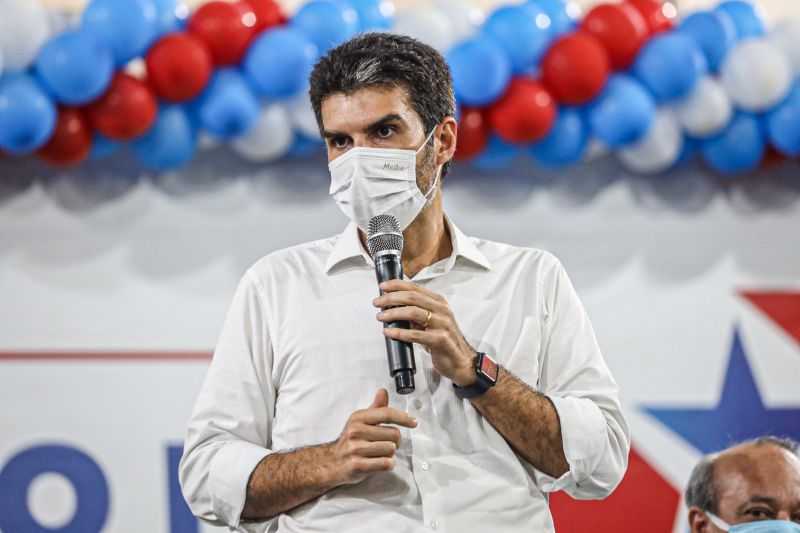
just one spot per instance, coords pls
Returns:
(481, 71)
(103, 147)
(374, 14)
(523, 31)
(623, 112)
(714, 32)
(171, 15)
(561, 20)
(740, 146)
(75, 67)
(745, 17)
(783, 123)
(327, 22)
(227, 108)
(170, 143)
(669, 65)
(688, 151)
(279, 62)
(565, 142)
(497, 155)
(304, 146)
(127, 26)
(27, 114)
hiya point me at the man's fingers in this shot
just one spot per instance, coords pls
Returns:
(367, 465)
(402, 298)
(381, 399)
(387, 415)
(377, 449)
(394, 285)
(379, 433)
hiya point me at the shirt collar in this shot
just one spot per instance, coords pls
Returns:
(348, 249)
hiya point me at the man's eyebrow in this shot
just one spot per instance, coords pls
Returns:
(386, 119)
(755, 498)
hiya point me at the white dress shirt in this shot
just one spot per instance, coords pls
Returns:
(301, 350)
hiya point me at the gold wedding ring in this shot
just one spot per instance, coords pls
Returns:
(428, 319)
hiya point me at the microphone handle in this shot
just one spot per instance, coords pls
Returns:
(400, 354)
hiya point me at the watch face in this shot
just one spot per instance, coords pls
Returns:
(488, 368)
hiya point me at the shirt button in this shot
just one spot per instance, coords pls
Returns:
(417, 404)
(435, 524)
(424, 465)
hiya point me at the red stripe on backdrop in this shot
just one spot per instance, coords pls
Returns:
(782, 307)
(644, 501)
(104, 356)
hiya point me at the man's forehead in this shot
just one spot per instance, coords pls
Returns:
(353, 111)
(756, 469)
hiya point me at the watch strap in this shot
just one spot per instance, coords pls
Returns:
(486, 373)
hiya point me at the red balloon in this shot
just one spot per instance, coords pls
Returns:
(268, 13)
(473, 133)
(621, 29)
(525, 113)
(657, 14)
(71, 141)
(226, 28)
(576, 68)
(179, 66)
(126, 110)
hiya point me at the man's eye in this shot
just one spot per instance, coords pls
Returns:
(385, 131)
(760, 514)
(339, 142)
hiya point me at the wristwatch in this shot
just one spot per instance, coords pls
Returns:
(486, 371)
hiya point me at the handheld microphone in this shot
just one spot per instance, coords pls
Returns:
(385, 243)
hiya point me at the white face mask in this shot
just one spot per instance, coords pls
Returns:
(367, 182)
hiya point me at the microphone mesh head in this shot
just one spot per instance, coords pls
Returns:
(384, 234)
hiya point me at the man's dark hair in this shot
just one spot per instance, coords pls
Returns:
(387, 60)
(702, 489)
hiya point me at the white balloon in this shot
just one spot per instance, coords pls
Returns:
(786, 37)
(269, 139)
(659, 149)
(706, 110)
(24, 28)
(428, 24)
(61, 21)
(756, 74)
(465, 18)
(302, 115)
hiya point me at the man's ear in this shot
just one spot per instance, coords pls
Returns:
(698, 521)
(447, 140)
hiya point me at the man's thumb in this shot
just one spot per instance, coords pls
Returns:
(381, 399)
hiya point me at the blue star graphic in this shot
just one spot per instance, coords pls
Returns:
(739, 415)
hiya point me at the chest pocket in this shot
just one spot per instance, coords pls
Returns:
(330, 353)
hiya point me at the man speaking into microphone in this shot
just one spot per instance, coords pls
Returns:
(294, 429)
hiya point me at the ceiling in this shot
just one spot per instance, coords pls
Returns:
(775, 9)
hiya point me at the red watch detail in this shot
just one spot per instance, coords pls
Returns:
(486, 371)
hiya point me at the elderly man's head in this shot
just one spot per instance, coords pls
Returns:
(752, 482)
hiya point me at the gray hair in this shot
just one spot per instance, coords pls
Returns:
(702, 489)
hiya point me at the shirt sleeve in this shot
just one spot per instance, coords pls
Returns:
(576, 379)
(229, 430)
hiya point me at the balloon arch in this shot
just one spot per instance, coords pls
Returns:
(531, 77)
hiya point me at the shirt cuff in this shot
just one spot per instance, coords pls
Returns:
(228, 477)
(583, 434)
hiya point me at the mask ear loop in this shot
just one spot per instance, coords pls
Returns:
(428, 195)
(428, 138)
(717, 521)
